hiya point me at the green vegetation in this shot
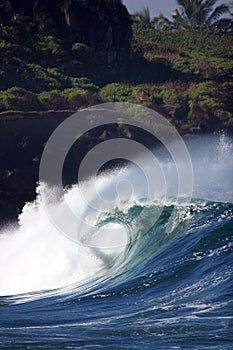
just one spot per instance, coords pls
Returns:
(117, 93)
(74, 98)
(81, 51)
(198, 94)
(43, 72)
(144, 17)
(197, 13)
(191, 14)
(18, 99)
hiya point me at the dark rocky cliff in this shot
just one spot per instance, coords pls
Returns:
(23, 136)
(97, 23)
(103, 25)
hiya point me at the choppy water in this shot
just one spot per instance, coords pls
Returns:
(163, 284)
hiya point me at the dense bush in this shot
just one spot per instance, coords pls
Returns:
(207, 101)
(81, 51)
(117, 92)
(84, 83)
(18, 99)
(53, 100)
(48, 45)
(42, 78)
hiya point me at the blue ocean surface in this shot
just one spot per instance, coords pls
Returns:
(166, 285)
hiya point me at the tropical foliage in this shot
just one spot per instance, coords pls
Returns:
(143, 17)
(190, 70)
(197, 13)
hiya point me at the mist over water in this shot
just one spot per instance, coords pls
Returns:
(36, 256)
(212, 159)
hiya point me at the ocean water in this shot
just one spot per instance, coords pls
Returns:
(152, 273)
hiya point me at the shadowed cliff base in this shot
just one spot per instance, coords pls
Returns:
(23, 136)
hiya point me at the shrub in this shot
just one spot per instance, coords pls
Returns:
(218, 67)
(53, 100)
(84, 83)
(75, 97)
(17, 98)
(81, 51)
(44, 79)
(183, 65)
(210, 101)
(117, 92)
(49, 45)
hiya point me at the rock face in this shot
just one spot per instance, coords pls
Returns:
(101, 24)
(23, 136)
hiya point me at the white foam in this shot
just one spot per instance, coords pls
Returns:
(37, 256)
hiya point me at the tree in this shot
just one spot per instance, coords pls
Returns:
(144, 17)
(162, 22)
(198, 13)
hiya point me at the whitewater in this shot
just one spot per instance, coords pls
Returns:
(145, 272)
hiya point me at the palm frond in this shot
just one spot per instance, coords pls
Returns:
(224, 24)
(143, 16)
(160, 22)
(218, 12)
(180, 20)
(196, 13)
